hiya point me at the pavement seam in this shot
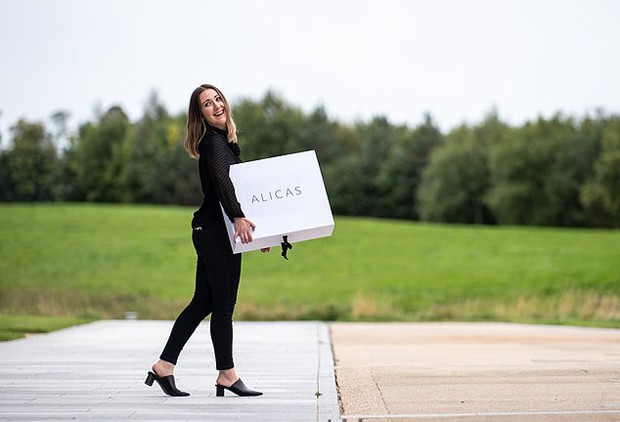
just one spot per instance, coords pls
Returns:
(318, 370)
(336, 367)
(372, 375)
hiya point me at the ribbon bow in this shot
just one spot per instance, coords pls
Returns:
(285, 246)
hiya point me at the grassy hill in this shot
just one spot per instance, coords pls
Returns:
(100, 261)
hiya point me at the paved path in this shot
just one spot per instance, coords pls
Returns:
(96, 372)
(385, 372)
(477, 372)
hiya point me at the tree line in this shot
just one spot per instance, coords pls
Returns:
(557, 171)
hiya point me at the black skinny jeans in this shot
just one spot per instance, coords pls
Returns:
(217, 281)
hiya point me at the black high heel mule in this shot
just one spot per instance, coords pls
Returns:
(239, 388)
(166, 383)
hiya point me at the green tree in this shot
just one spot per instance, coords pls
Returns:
(600, 195)
(341, 182)
(376, 139)
(537, 176)
(352, 180)
(98, 159)
(457, 180)
(400, 174)
(454, 181)
(173, 175)
(268, 127)
(328, 138)
(68, 186)
(30, 164)
(153, 136)
(6, 186)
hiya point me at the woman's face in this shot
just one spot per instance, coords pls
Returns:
(213, 108)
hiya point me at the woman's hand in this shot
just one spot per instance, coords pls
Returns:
(244, 229)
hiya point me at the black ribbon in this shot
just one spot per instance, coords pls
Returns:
(285, 246)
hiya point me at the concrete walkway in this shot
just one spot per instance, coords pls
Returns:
(385, 372)
(96, 372)
(469, 372)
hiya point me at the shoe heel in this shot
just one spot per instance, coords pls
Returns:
(149, 379)
(219, 391)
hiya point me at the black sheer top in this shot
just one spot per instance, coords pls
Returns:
(216, 157)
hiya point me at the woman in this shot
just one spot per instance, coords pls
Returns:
(212, 139)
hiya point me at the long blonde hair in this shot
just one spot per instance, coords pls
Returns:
(197, 125)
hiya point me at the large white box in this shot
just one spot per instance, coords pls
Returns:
(283, 196)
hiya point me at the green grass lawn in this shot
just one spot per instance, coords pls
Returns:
(16, 326)
(100, 261)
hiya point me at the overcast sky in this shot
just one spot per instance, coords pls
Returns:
(456, 59)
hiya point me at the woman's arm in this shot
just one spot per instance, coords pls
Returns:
(218, 159)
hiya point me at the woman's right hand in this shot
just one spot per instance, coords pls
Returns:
(244, 229)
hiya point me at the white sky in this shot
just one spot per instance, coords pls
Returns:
(454, 58)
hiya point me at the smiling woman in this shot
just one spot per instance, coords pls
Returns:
(211, 138)
(205, 101)
(213, 108)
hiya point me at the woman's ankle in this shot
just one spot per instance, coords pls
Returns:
(227, 377)
(163, 368)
